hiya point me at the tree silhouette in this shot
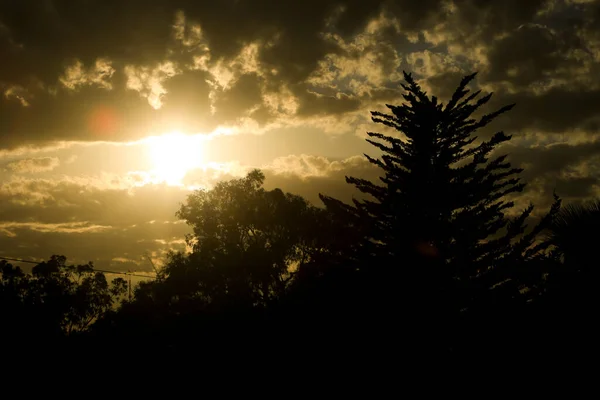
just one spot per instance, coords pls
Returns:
(246, 247)
(46, 314)
(437, 223)
(247, 243)
(573, 233)
(56, 299)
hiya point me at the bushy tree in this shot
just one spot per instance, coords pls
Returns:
(55, 299)
(247, 242)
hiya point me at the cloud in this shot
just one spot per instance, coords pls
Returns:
(86, 199)
(79, 80)
(77, 75)
(305, 166)
(67, 227)
(569, 169)
(148, 82)
(302, 174)
(33, 165)
(41, 217)
(310, 176)
(272, 64)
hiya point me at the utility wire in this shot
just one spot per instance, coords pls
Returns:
(97, 270)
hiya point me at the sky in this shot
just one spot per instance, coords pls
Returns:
(112, 111)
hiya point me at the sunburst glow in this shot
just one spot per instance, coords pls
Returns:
(174, 154)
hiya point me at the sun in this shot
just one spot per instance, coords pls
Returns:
(174, 154)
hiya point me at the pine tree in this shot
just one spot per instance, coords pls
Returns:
(440, 214)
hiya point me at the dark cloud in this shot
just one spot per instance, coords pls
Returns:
(416, 15)
(238, 100)
(87, 113)
(117, 70)
(318, 104)
(187, 102)
(569, 170)
(526, 55)
(494, 16)
(46, 35)
(40, 41)
(575, 187)
(553, 158)
(558, 110)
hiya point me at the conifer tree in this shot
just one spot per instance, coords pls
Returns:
(440, 211)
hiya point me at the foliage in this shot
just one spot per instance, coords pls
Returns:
(246, 244)
(56, 298)
(574, 236)
(442, 207)
(573, 232)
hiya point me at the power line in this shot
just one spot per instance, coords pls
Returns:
(97, 270)
(17, 259)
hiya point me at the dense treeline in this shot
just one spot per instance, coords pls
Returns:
(434, 263)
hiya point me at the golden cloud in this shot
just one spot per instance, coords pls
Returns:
(33, 165)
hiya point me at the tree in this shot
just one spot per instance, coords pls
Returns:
(439, 220)
(573, 233)
(246, 247)
(246, 244)
(56, 299)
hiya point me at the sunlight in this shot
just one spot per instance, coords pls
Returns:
(174, 154)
